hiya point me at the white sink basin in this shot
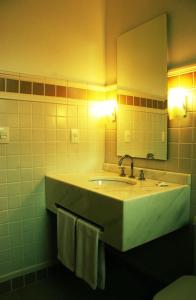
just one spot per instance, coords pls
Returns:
(111, 181)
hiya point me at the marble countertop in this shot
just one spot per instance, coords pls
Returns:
(127, 192)
(131, 214)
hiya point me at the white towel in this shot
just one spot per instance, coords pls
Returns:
(90, 256)
(66, 223)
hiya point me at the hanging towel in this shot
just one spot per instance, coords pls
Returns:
(66, 223)
(90, 255)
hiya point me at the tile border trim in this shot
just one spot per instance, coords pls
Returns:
(141, 102)
(17, 86)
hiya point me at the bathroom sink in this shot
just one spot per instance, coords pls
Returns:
(130, 211)
(111, 181)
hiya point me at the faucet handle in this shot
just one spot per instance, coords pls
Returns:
(141, 175)
(122, 171)
(150, 156)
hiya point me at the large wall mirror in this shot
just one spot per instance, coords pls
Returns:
(142, 85)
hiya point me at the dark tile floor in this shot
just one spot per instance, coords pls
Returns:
(137, 274)
(64, 285)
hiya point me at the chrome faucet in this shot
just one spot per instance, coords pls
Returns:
(120, 163)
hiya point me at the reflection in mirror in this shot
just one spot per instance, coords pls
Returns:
(142, 132)
(142, 91)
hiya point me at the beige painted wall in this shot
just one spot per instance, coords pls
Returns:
(61, 39)
(66, 39)
(122, 15)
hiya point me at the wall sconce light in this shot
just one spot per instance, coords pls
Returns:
(112, 109)
(177, 103)
(105, 108)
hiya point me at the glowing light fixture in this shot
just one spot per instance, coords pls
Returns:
(104, 108)
(177, 102)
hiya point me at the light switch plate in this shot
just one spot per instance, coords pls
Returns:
(127, 136)
(163, 136)
(4, 135)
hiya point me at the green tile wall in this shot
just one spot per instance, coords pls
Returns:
(39, 143)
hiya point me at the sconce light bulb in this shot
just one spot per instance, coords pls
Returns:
(177, 98)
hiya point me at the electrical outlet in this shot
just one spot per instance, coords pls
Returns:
(74, 136)
(4, 135)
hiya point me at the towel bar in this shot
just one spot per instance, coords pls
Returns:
(85, 219)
